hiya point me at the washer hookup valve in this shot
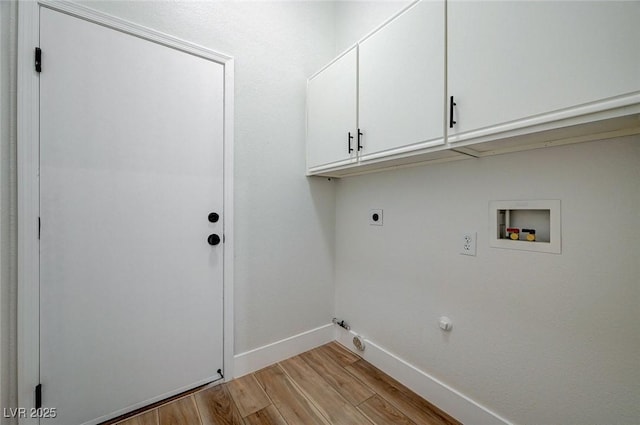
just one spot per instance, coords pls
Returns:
(513, 233)
(341, 323)
(530, 234)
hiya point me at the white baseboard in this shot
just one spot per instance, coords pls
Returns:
(448, 399)
(260, 357)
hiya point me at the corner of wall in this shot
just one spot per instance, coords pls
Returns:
(258, 358)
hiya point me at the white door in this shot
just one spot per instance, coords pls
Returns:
(513, 60)
(332, 112)
(131, 141)
(401, 80)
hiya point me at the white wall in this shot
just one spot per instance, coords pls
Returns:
(537, 338)
(8, 287)
(355, 18)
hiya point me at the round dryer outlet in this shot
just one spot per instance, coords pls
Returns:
(358, 342)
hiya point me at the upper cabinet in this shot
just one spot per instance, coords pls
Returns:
(332, 114)
(382, 98)
(513, 64)
(444, 81)
(401, 80)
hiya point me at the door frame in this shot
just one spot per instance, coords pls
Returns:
(29, 190)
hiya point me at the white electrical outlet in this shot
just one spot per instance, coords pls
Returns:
(468, 243)
(375, 217)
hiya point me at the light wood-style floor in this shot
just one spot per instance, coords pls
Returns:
(328, 385)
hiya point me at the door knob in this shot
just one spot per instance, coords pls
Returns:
(213, 239)
(214, 217)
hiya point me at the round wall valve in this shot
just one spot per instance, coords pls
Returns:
(445, 323)
(358, 342)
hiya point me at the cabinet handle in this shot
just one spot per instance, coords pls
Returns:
(359, 137)
(349, 142)
(451, 105)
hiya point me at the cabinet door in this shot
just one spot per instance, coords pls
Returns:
(401, 83)
(331, 114)
(515, 63)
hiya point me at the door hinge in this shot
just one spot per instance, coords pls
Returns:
(38, 59)
(39, 227)
(38, 396)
